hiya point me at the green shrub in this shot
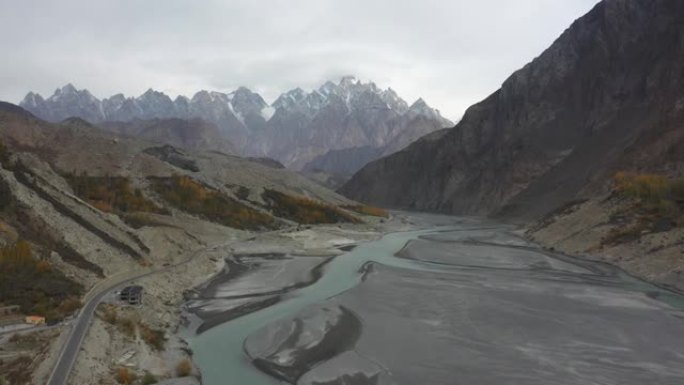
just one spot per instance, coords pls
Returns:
(148, 379)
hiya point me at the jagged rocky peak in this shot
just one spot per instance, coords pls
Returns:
(349, 81)
(155, 104)
(349, 93)
(420, 107)
(65, 102)
(67, 89)
(246, 102)
(205, 96)
(70, 92)
(328, 88)
(114, 102)
(289, 99)
(151, 94)
(394, 102)
(298, 126)
(352, 94)
(33, 100)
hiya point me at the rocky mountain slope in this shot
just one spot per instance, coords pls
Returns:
(347, 161)
(82, 207)
(193, 134)
(86, 191)
(294, 129)
(606, 96)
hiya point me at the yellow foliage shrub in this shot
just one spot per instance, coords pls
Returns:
(646, 187)
(124, 376)
(184, 368)
(304, 210)
(190, 196)
(111, 194)
(368, 210)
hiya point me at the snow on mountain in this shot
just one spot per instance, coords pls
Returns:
(295, 128)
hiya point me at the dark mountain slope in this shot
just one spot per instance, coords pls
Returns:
(193, 134)
(557, 128)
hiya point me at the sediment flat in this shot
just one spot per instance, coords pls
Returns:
(490, 310)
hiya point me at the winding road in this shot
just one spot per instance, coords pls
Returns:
(79, 328)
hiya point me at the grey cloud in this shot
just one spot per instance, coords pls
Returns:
(452, 53)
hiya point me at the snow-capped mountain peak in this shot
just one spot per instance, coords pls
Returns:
(343, 114)
(349, 81)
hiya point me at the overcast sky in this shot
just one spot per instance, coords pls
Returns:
(453, 53)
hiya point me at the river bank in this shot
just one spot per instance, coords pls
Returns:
(443, 304)
(107, 346)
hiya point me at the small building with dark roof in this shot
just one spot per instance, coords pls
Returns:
(131, 295)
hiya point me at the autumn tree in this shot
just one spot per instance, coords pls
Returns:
(124, 376)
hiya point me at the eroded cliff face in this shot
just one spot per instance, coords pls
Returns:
(557, 128)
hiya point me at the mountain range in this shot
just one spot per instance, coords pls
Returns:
(295, 129)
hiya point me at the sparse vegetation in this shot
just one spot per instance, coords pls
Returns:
(111, 194)
(138, 220)
(153, 337)
(108, 314)
(4, 155)
(304, 210)
(17, 371)
(193, 197)
(148, 379)
(127, 325)
(367, 210)
(32, 284)
(124, 376)
(184, 368)
(657, 203)
(242, 192)
(649, 189)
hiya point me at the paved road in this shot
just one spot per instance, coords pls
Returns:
(80, 325)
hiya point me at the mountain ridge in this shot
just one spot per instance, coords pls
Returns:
(333, 116)
(557, 128)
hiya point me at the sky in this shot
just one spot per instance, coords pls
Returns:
(453, 53)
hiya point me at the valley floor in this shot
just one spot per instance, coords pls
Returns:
(442, 303)
(108, 346)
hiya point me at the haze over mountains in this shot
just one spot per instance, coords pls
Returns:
(295, 129)
(606, 96)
